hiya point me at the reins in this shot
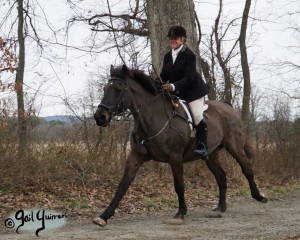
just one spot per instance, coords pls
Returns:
(137, 139)
(116, 108)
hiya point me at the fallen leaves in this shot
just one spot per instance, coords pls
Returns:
(149, 193)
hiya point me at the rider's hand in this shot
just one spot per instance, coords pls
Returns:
(167, 87)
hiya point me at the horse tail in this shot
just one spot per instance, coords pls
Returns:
(250, 152)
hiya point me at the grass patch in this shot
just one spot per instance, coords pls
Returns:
(169, 201)
(149, 204)
(161, 202)
(76, 203)
(279, 189)
(243, 192)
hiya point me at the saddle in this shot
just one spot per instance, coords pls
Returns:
(189, 117)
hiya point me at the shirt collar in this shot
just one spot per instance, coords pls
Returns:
(176, 51)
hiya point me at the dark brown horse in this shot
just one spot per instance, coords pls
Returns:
(163, 136)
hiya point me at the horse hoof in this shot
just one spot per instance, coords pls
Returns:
(264, 200)
(220, 209)
(175, 221)
(213, 215)
(99, 221)
(179, 216)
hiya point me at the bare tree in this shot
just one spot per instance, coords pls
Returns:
(153, 27)
(245, 66)
(119, 31)
(218, 52)
(208, 73)
(19, 82)
(148, 20)
(20, 28)
(289, 68)
(223, 61)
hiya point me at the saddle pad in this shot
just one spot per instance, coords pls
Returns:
(189, 116)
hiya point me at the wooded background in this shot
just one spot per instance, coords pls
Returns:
(76, 154)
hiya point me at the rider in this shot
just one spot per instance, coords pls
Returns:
(179, 68)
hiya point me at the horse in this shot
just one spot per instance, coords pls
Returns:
(163, 136)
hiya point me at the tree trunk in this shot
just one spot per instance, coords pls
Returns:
(161, 16)
(227, 97)
(210, 79)
(245, 67)
(19, 82)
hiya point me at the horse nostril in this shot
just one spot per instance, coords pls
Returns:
(101, 116)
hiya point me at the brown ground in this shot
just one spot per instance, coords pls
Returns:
(245, 219)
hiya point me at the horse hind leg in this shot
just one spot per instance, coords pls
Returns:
(220, 176)
(243, 157)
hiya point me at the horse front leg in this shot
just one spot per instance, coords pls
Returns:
(177, 170)
(133, 164)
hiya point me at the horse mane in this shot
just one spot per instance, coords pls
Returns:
(146, 81)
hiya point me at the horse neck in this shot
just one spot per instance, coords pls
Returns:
(141, 99)
(147, 108)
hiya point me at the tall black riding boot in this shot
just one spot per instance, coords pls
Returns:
(201, 145)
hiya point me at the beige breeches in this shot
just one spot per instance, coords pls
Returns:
(197, 108)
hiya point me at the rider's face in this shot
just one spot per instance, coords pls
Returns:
(176, 42)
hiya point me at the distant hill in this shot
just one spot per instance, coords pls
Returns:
(62, 118)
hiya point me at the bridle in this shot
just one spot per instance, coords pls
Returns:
(119, 109)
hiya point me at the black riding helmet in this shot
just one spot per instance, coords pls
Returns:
(176, 31)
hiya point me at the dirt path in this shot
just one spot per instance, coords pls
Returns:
(244, 219)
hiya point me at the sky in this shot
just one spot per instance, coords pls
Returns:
(66, 76)
(270, 42)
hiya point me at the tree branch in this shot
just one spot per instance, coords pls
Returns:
(119, 52)
(199, 28)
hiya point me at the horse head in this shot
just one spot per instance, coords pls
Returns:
(116, 97)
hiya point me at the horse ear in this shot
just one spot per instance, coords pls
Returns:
(111, 69)
(127, 71)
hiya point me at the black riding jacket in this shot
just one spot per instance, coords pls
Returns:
(187, 81)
